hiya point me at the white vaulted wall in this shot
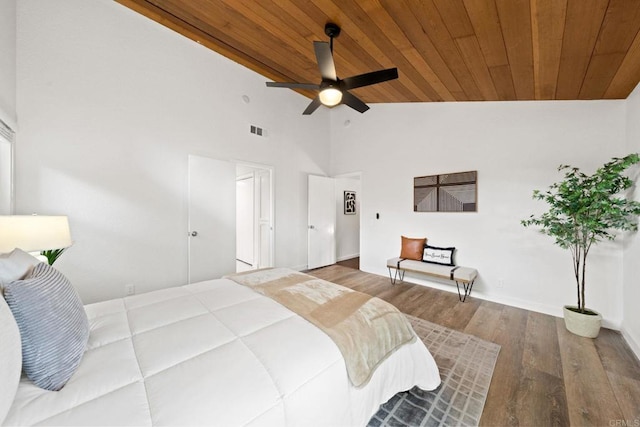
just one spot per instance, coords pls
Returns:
(516, 147)
(110, 105)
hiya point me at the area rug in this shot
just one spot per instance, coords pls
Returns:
(466, 365)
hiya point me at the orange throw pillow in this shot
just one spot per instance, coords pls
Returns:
(412, 248)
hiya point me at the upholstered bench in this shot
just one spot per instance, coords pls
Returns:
(461, 275)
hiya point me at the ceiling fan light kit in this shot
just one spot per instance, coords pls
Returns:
(332, 90)
(330, 96)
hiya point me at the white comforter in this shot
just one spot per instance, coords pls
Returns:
(214, 353)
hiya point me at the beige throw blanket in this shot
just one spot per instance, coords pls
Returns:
(365, 329)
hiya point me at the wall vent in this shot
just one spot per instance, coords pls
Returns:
(257, 130)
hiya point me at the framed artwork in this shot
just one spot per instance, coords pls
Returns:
(449, 192)
(349, 202)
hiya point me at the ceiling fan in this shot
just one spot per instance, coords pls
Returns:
(335, 91)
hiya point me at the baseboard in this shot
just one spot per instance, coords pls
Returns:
(299, 267)
(346, 257)
(306, 267)
(633, 344)
(551, 310)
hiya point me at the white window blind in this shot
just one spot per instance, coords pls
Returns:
(6, 169)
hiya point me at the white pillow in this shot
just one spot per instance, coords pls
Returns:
(10, 358)
(15, 266)
(435, 255)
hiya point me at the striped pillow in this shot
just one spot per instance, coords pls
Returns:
(53, 325)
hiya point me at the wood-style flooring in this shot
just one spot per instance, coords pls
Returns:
(544, 376)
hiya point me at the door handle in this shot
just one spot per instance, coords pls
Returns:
(311, 227)
(193, 233)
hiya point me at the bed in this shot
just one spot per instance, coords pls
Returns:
(212, 353)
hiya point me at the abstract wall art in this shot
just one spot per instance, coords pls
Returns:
(349, 202)
(449, 192)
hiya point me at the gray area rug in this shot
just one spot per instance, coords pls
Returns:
(466, 365)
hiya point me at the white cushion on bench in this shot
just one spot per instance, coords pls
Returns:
(461, 274)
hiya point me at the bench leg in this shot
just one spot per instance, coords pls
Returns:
(396, 275)
(467, 290)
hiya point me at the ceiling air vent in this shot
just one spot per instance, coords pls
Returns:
(257, 130)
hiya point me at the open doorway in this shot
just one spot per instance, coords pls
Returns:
(254, 213)
(348, 200)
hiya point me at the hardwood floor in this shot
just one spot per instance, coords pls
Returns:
(351, 263)
(544, 376)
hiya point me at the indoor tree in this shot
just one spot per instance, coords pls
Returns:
(587, 209)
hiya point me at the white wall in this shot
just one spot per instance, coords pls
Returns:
(110, 105)
(631, 275)
(8, 62)
(516, 147)
(347, 226)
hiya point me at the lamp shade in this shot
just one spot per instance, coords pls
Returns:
(34, 232)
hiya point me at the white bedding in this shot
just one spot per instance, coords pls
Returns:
(214, 353)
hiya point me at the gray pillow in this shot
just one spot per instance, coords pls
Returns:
(53, 325)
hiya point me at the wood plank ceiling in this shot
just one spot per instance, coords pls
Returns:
(445, 50)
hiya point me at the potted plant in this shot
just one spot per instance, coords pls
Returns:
(583, 210)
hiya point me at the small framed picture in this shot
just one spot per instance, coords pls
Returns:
(349, 202)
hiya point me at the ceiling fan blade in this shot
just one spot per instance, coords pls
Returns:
(354, 102)
(325, 60)
(292, 85)
(313, 106)
(370, 78)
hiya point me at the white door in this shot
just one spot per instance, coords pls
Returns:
(264, 240)
(322, 222)
(212, 218)
(245, 210)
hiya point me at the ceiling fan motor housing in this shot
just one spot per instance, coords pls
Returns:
(336, 84)
(331, 29)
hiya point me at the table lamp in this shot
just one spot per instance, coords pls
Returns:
(48, 235)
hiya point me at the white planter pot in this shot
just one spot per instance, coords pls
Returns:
(585, 325)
